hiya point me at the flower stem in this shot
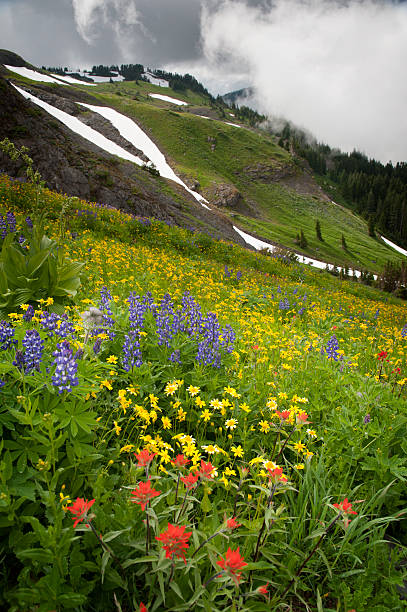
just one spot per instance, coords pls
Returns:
(207, 540)
(176, 493)
(104, 545)
(313, 551)
(285, 443)
(262, 528)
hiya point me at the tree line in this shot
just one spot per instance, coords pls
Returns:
(374, 190)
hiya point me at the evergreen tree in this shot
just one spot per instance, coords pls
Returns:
(371, 227)
(318, 231)
(343, 243)
(303, 241)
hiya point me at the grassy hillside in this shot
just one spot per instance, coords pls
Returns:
(281, 212)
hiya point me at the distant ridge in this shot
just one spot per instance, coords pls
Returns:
(233, 96)
(12, 59)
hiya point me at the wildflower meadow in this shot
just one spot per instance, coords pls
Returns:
(188, 425)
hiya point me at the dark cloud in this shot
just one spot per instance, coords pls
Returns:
(45, 31)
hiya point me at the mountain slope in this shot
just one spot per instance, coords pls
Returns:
(248, 180)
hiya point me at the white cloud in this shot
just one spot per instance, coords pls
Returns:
(333, 67)
(120, 16)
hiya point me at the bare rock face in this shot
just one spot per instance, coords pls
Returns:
(268, 173)
(226, 195)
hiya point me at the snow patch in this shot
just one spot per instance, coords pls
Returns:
(32, 74)
(101, 79)
(168, 99)
(83, 130)
(151, 78)
(394, 246)
(260, 244)
(234, 124)
(71, 80)
(134, 134)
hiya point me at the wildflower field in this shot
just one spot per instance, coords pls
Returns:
(195, 426)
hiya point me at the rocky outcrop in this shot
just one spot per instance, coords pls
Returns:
(268, 173)
(226, 196)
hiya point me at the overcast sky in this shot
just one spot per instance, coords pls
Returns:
(334, 67)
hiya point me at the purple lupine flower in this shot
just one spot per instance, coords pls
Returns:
(229, 337)
(208, 348)
(163, 321)
(79, 354)
(404, 331)
(367, 419)
(226, 272)
(65, 327)
(29, 222)
(332, 348)
(3, 227)
(29, 313)
(284, 304)
(2, 383)
(66, 368)
(19, 359)
(175, 356)
(132, 352)
(239, 275)
(192, 315)
(97, 346)
(11, 222)
(104, 305)
(137, 310)
(49, 322)
(34, 348)
(6, 335)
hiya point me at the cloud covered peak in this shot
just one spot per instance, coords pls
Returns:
(333, 67)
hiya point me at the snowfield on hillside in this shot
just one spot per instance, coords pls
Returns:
(168, 99)
(83, 130)
(134, 134)
(260, 244)
(32, 74)
(394, 246)
(72, 81)
(151, 78)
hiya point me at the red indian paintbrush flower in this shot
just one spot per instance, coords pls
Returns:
(264, 589)
(190, 480)
(232, 563)
(80, 509)
(382, 355)
(144, 493)
(206, 470)
(142, 607)
(232, 523)
(174, 541)
(144, 458)
(180, 461)
(346, 508)
(277, 475)
(284, 415)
